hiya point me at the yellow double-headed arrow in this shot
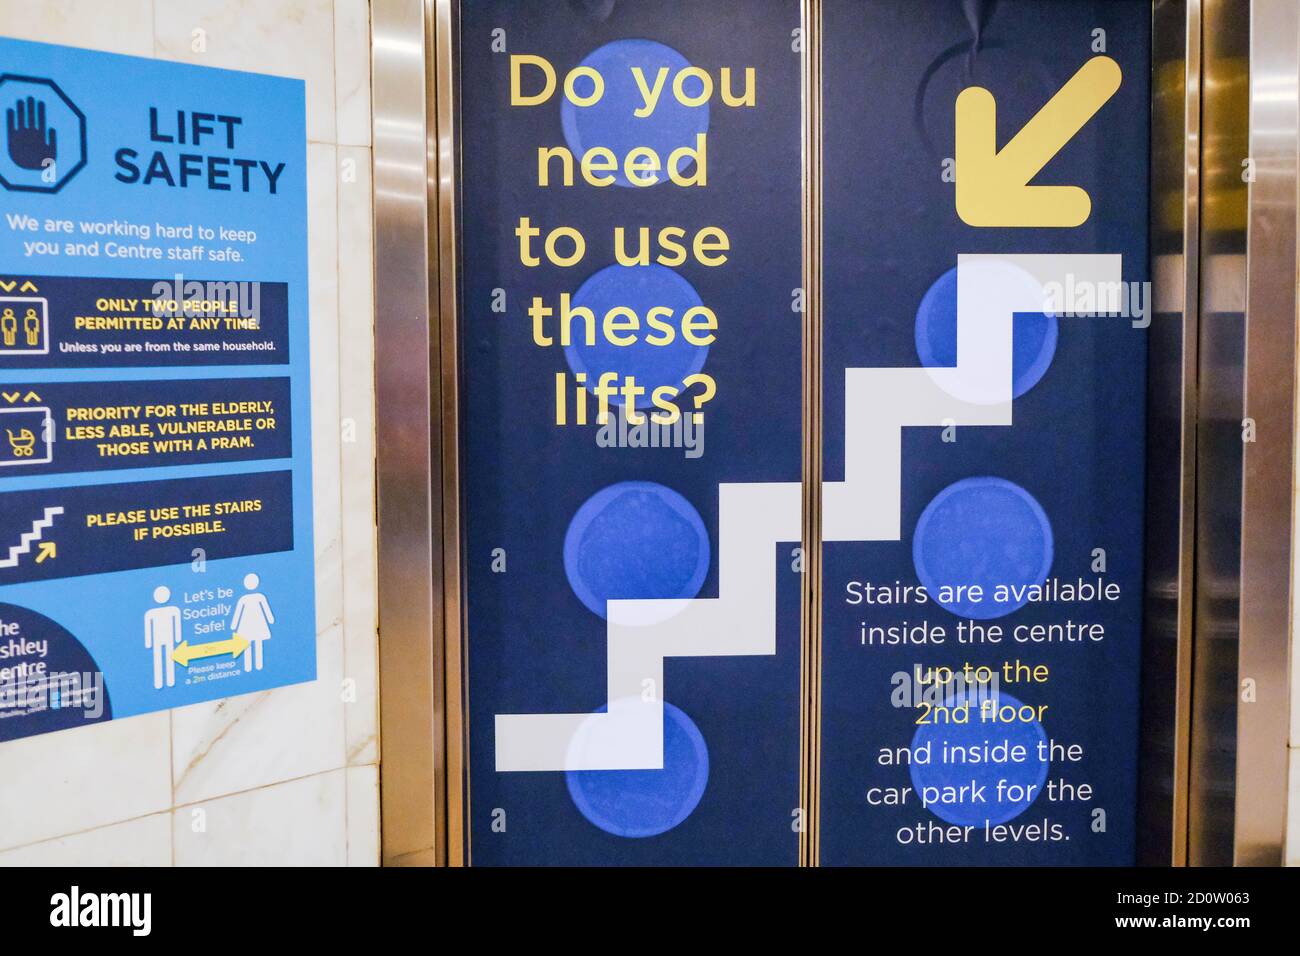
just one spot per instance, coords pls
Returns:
(184, 653)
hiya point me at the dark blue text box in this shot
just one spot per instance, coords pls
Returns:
(67, 322)
(98, 528)
(92, 426)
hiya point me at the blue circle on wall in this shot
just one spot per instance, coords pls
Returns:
(1033, 336)
(611, 122)
(985, 531)
(1031, 772)
(635, 539)
(645, 803)
(640, 288)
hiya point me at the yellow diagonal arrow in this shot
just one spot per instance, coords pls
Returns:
(48, 549)
(993, 186)
(184, 652)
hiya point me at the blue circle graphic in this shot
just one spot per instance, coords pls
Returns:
(640, 288)
(611, 121)
(645, 803)
(1031, 772)
(1033, 336)
(635, 539)
(982, 531)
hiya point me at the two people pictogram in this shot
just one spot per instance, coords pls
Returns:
(11, 325)
(164, 635)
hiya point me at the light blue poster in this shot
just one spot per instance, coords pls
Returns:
(155, 433)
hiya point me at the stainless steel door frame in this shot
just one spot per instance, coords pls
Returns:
(1269, 465)
(1241, 687)
(408, 356)
(1171, 432)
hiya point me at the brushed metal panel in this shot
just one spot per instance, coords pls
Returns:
(1225, 38)
(406, 355)
(1267, 487)
(1240, 698)
(1171, 432)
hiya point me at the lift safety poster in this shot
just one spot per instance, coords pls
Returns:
(155, 440)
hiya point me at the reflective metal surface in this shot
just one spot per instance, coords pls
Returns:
(1263, 685)
(1171, 432)
(1240, 691)
(445, 161)
(1225, 38)
(408, 457)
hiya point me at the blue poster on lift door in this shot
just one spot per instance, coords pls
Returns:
(155, 436)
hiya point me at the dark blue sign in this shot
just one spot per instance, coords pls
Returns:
(100, 528)
(981, 649)
(632, 269)
(78, 322)
(684, 303)
(62, 427)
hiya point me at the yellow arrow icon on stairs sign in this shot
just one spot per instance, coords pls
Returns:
(993, 185)
(185, 652)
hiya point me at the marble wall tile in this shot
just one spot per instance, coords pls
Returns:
(73, 780)
(253, 740)
(363, 816)
(124, 26)
(352, 71)
(144, 841)
(323, 263)
(357, 408)
(297, 823)
(285, 37)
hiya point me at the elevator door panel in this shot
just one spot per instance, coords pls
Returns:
(632, 595)
(980, 435)
(602, 731)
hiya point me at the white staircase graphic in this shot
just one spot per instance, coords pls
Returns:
(754, 517)
(29, 538)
